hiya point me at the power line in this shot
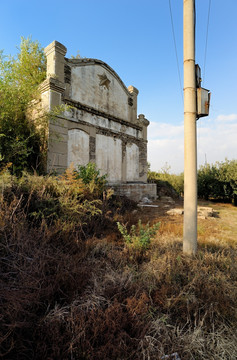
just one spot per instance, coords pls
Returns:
(204, 71)
(176, 53)
(205, 55)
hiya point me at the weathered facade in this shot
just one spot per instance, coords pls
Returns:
(101, 124)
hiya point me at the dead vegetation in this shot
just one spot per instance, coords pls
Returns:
(71, 290)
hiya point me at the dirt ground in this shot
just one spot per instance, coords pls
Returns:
(221, 226)
(157, 210)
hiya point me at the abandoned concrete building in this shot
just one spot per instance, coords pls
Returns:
(101, 125)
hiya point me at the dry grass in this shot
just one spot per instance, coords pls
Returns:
(72, 297)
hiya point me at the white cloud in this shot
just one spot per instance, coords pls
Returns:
(165, 146)
(166, 150)
(227, 118)
(216, 140)
(160, 130)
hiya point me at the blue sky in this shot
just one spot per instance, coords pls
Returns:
(135, 38)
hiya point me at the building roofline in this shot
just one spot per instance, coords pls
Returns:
(89, 61)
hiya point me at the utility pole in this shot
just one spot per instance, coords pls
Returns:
(190, 138)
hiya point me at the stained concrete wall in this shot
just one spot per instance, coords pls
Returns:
(132, 162)
(101, 124)
(109, 157)
(96, 86)
(78, 147)
(136, 192)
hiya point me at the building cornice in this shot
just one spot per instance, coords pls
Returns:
(52, 84)
(94, 111)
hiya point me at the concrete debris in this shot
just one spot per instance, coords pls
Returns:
(147, 205)
(203, 212)
(175, 212)
(146, 200)
(173, 356)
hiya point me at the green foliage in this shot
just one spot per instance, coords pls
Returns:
(51, 201)
(20, 141)
(164, 178)
(209, 184)
(89, 173)
(215, 181)
(78, 56)
(91, 176)
(140, 236)
(218, 181)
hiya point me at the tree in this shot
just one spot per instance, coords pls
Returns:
(218, 181)
(228, 176)
(20, 76)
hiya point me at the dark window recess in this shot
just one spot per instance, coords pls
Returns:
(67, 74)
(130, 101)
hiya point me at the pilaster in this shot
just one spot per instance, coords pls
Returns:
(53, 87)
(134, 92)
(51, 94)
(55, 53)
(144, 123)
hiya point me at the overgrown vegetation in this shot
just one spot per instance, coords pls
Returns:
(140, 235)
(22, 141)
(71, 290)
(91, 176)
(215, 181)
(218, 181)
(167, 183)
(67, 202)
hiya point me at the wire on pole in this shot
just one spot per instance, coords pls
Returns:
(176, 53)
(205, 54)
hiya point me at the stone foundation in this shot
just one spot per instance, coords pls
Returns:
(135, 191)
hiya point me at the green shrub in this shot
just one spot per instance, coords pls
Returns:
(89, 173)
(218, 181)
(209, 185)
(173, 182)
(140, 236)
(52, 201)
(20, 139)
(215, 181)
(90, 176)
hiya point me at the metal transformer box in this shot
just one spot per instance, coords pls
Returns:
(203, 102)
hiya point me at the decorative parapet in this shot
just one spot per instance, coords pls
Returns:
(55, 53)
(57, 47)
(134, 92)
(142, 121)
(88, 61)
